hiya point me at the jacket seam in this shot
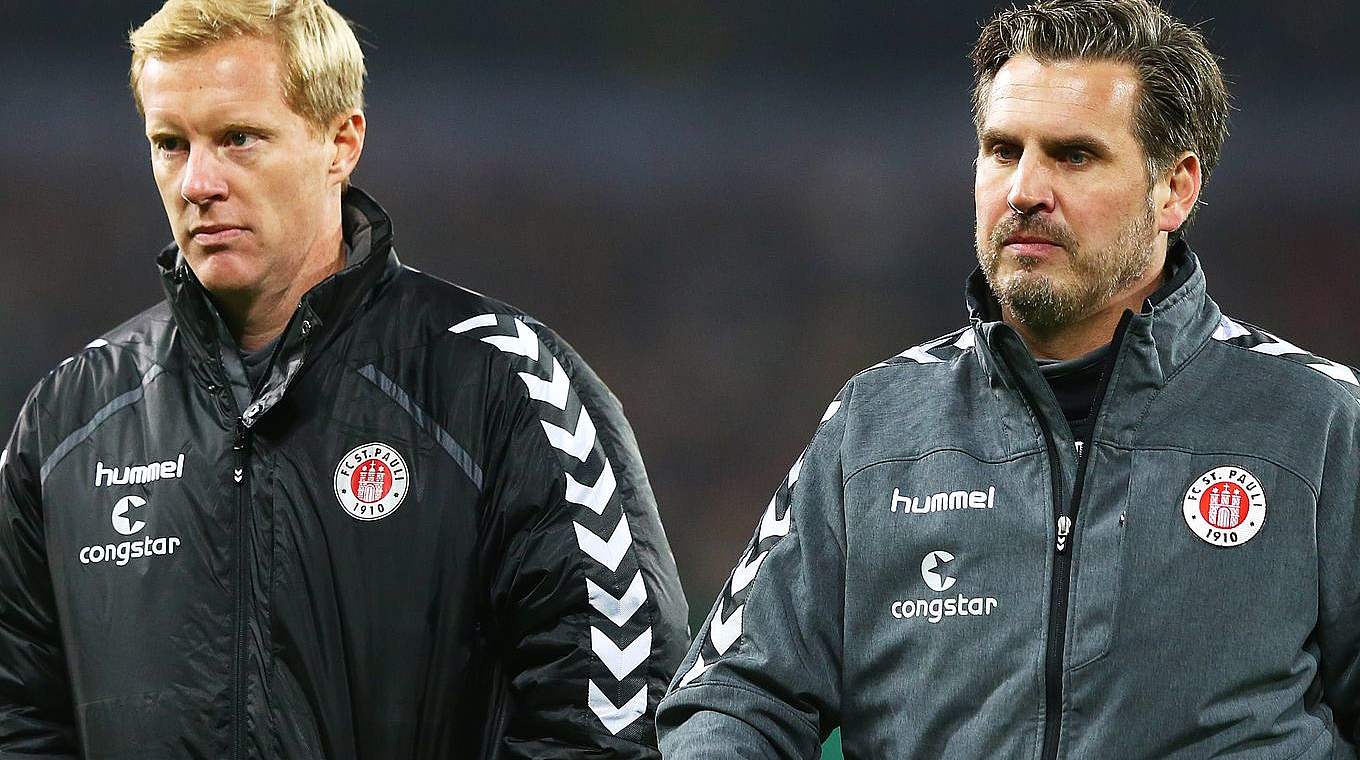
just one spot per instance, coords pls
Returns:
(937, 450)
(762, 696)
(1187, 450)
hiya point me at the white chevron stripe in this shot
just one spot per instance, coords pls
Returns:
(595, 497)
(699, 667)
(1279, 348)
(616, 718)
(1228, 329)
(1338, 371)
(96, 343)
(919, 355)
(623, 661)
(831, 410)
(770, 525)
(967, 340)
(552, 391)
(576, 444)
(524, 343)
(484, 320)
(724, 632)
(4, 457)
(608, 553)
(622, 609)
(794, 470)
(746, 572)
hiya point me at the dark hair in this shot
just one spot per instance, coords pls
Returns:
(1183, 105)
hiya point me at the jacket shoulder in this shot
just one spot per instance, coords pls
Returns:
(131, 348)
(1309, 368)
(941, 351)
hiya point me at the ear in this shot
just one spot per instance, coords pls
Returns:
(1177, 193)
(347, 137)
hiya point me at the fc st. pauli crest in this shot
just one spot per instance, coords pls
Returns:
(371, 481)
(1225, 506)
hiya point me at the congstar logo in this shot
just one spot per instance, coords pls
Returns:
(127, 519)
(940, 571)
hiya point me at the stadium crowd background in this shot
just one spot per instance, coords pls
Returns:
(729, 208)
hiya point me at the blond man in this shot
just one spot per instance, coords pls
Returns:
(317, 504)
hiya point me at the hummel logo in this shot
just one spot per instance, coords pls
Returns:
(136, 474)
(943, 501)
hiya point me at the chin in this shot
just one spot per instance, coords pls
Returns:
(225, 273)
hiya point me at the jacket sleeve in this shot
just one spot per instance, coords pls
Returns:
(1338, 537)
(590, 616)
(36, 718)
(762, 680)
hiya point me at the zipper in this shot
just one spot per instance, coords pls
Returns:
(241, 477)
(1060, 583)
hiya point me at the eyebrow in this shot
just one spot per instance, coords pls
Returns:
(1051, 145)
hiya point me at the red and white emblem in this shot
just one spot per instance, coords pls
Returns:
(1225, 506)
(371, 481)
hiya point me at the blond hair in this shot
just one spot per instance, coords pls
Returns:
(323, 65)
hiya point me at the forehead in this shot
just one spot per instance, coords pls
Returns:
(233, 78)
(1057, 97)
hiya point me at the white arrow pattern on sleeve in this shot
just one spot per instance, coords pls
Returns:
(579, 445)
(616, 718)
(608, 553)
(552, 391)
(619, 610)
(725, 629)
(623, 661)
(725, 632)
(595, 497)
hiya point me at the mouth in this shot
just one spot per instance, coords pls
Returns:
(215, 234)
(1031, 246)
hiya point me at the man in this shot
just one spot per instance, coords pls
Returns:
(1103, 521)
(318, 504)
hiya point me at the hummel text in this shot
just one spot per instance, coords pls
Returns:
(145, 473)
(943, 501)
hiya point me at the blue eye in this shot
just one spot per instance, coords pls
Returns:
(1078, 157)
(240, 139)
(169, 144)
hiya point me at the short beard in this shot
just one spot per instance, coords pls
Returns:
(1044, 305)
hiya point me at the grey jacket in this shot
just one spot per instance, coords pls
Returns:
(946, 573)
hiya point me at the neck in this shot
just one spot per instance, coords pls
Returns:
(1094, 330)
(257, 318)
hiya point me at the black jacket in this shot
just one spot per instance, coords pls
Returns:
(428, 535)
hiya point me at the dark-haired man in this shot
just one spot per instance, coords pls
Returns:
(1102, 521)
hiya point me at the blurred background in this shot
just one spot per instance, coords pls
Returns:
(727, 207)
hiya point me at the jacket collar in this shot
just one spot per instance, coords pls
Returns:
(1171, 326)
(322, 313)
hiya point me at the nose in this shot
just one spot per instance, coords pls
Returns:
(1031, 188)
(203, 180)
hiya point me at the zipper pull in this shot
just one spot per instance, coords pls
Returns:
(240, 447)
(1064, 530)
(1081, 449)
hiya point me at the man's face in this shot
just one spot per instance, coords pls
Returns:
(243, 178)
(1057, 143)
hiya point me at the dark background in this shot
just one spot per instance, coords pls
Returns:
(728, 207)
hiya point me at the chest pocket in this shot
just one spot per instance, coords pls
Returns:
(1216, 542)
